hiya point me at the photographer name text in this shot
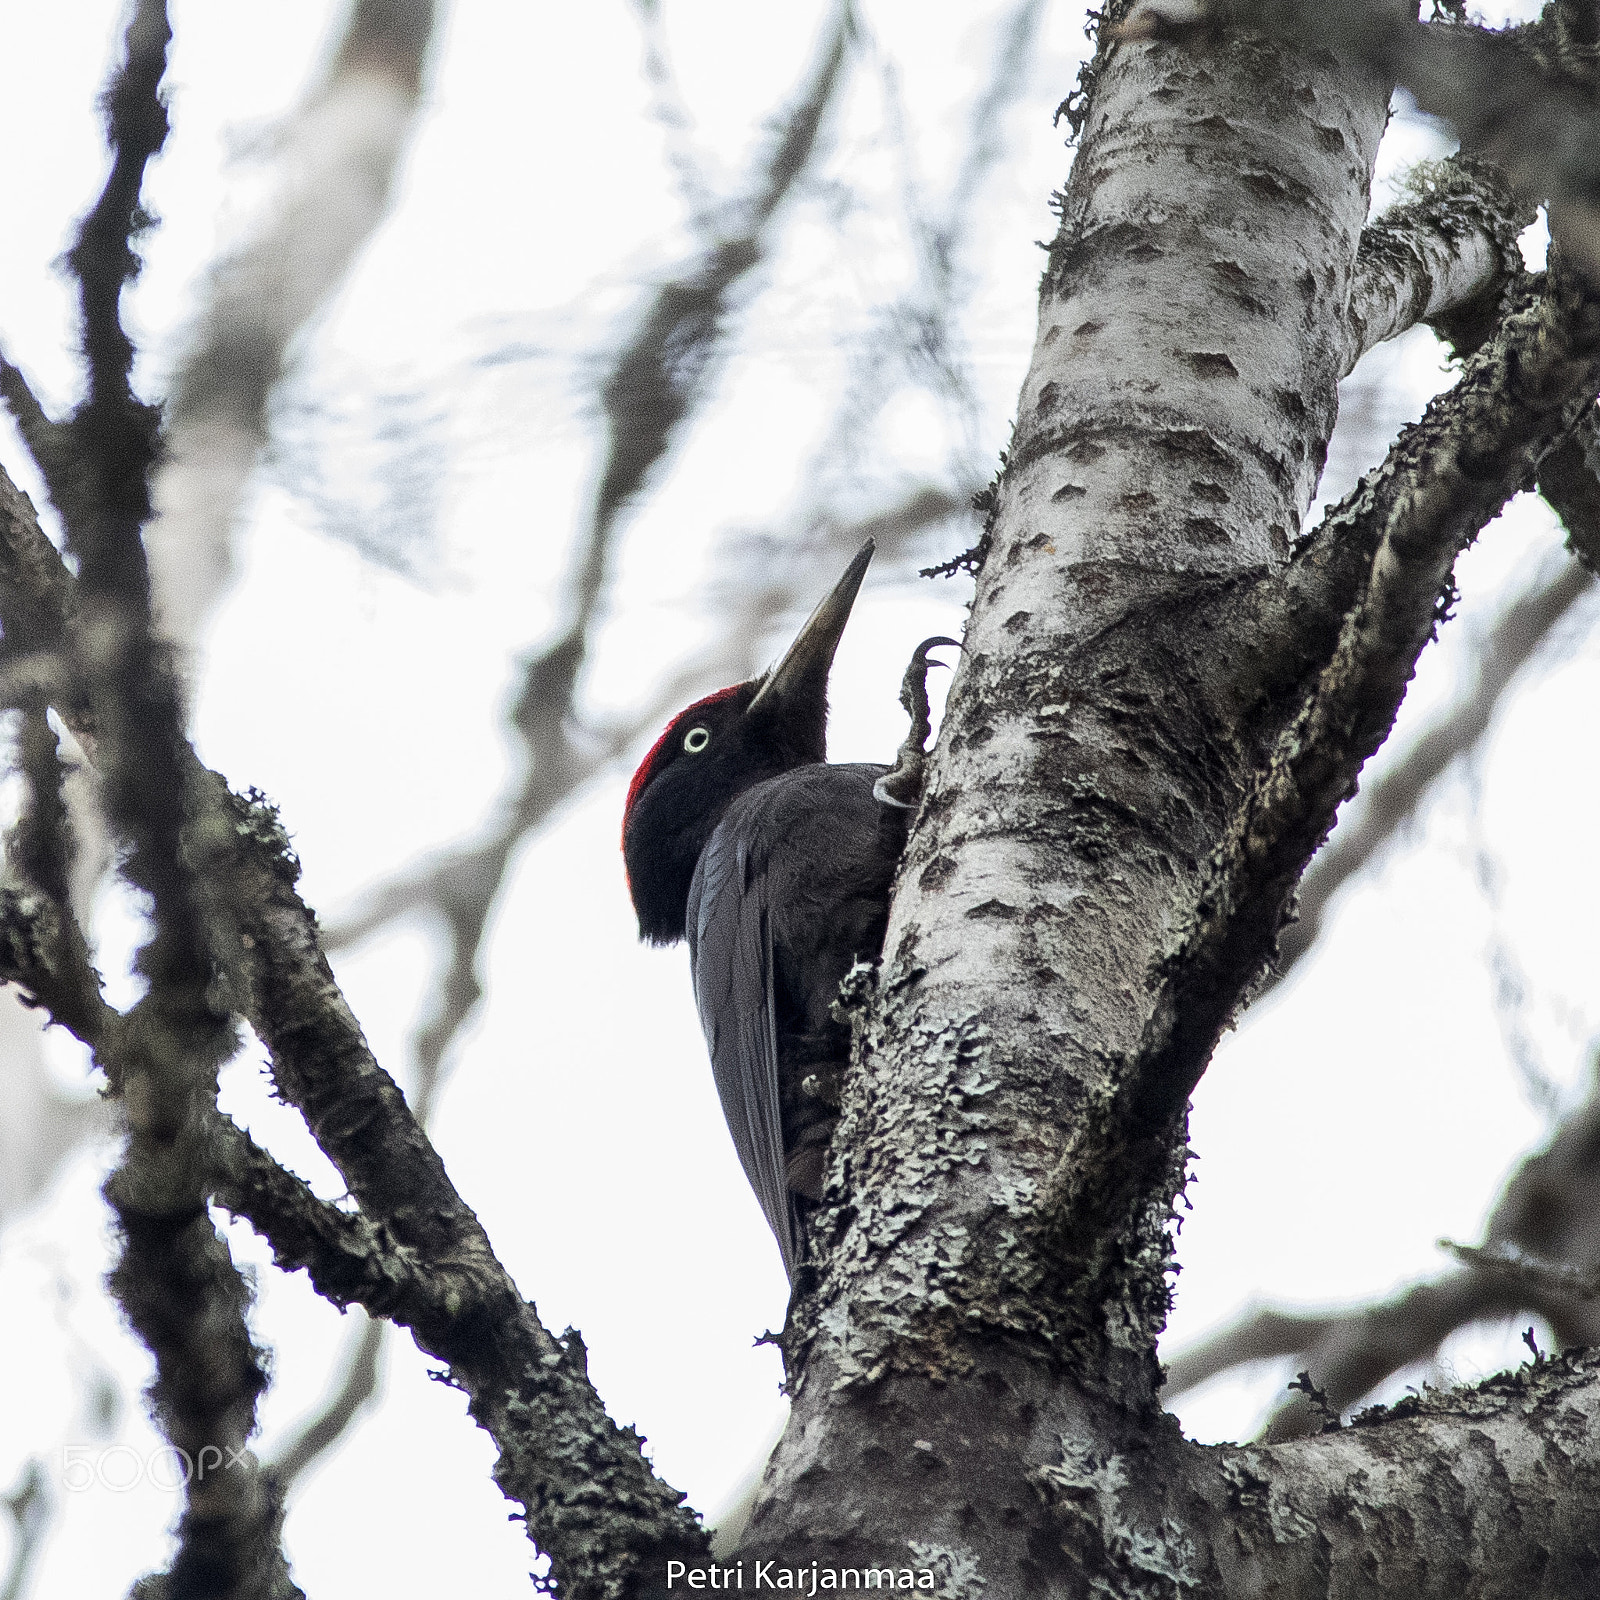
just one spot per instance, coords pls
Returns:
(798, 1580)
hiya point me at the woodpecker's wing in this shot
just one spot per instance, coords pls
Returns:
(730, 952)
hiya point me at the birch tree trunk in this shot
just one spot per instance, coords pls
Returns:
(1162, 699)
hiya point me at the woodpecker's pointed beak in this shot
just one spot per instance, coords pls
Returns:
(803, 672)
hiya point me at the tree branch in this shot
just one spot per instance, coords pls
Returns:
(658, 375)
(175, 1279)
(352, 1392)
(1395, 797)
(50, 958)
(39, 598)
(1415, 1500)
(350, 1260)
(1452, 248)
(38, 1126)
(1548, 1212)
(1578, 24)
(591, 1501)
(1444, 479)
(914, 332)
(1568, 482)
(1348, 1354)
(30, 1510)
(49, 442)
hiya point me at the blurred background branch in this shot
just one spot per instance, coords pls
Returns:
(335, 160)
(1548, 1212)
(29, 1507)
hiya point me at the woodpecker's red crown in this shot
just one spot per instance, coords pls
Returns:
(719, 747)
(668, 745)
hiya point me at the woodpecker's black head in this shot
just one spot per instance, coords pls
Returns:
(717, 749)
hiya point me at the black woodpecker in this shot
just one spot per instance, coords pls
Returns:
(775, 866)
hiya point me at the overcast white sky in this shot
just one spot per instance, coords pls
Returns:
(1368, 1109)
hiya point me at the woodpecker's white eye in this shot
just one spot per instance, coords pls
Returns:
(696, 739)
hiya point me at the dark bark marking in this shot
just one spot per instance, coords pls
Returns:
(1209, 363)
(994, 908)
(1204, 531)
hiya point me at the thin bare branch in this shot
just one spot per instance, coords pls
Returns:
(38, 595)
(1551, 1280)
(49, 442)
(41, 851)
(351, 1260)
(669, 112)
(763, 586)
(38, 1124)
(1264, 1334)
(914, 331)
(655, 382)
(1550, 1208)
(659, 375)
(1348, 1354)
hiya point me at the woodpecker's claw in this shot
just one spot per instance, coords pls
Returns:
(901, 786)
(825, 1085)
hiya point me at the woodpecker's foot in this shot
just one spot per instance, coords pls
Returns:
(807, 1164)
(825, 1085)
(804, 1171)
(901, 786)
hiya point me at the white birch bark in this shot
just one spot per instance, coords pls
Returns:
(973, 1368)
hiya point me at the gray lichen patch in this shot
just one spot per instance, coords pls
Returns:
(902, 1145)
(1126, 1544)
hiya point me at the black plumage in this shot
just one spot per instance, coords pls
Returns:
(792, 888)
(776, 867)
